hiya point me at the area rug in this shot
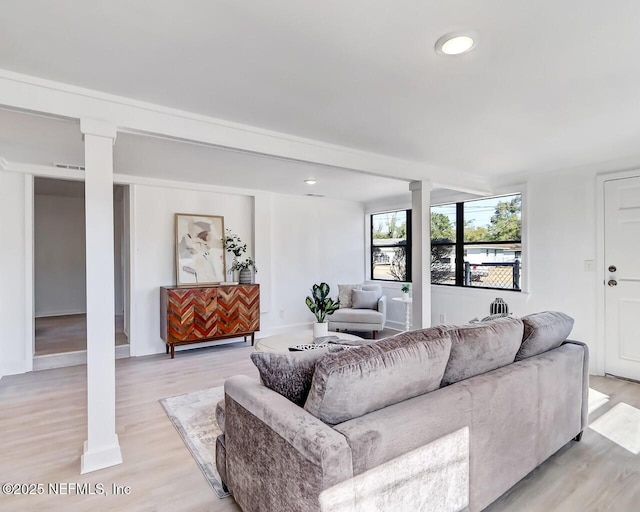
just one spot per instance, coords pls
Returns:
(194, 416)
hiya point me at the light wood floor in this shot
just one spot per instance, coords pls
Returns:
(68, 333)
(43, 426)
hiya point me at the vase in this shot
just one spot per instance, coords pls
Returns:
(320, 329)
(405, 295)
(498, 306)
(246, 276)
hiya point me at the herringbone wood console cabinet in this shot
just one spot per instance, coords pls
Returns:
(197, 314)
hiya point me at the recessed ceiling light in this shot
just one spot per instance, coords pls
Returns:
(310, 182)
(455, 44)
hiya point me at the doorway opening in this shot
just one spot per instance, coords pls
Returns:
(59, 272)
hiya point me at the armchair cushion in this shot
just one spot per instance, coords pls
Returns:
(357, 316)
(363, 299)
(373, 288)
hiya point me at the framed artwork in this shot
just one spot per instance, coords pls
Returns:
(199, 252)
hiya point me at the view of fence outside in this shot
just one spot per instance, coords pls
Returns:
(485, 275)
(490, 242)
(487, 232)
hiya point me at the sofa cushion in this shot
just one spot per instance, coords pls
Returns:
(344, 294)
(544, 331)
(288, 374)
(362, 299)
(482, 347)
(360, 316)
(354, 382)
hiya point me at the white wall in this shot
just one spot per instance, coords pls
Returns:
(153, 237)
(559, 224)
(311, 240)
(314, 240)
(560, 235)
(59, 253)
(12, 274)
(302, 240)
(119, 247)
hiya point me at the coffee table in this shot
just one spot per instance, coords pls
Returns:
(282, 342)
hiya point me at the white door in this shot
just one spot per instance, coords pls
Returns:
(622, 277)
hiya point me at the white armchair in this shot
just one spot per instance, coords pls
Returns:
(361, 319)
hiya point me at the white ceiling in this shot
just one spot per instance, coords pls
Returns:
(45, 141)
(551, 84)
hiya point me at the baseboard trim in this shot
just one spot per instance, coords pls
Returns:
(12, 368)
(396, 326)
(100, 459)
(59, 313)
(78, 357)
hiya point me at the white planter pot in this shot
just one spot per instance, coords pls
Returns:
(320, 329)
(405, 295)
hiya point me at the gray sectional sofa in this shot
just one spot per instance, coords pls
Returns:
(447, 418)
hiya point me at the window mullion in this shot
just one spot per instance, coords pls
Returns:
(459, 244)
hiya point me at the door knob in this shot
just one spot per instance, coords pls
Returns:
(612, 282)
(612, 268)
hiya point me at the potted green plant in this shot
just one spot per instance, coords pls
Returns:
(406, 288)
(321, 305)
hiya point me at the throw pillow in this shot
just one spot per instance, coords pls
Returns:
(354, 382)
(542, 332)
(344, 294)
(372, 287)
(481, 347)
(288, 374)
(365, 299)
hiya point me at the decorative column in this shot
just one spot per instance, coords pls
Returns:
(101, 449)
(421, 252)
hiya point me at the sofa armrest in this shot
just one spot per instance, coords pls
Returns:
(274, 445)
(585, 383)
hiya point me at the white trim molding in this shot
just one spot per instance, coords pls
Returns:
(601, 336)
(32, 94)
(29, 289)
(98, 128)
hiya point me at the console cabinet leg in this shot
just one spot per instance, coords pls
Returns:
(173, 351)
(253, 338)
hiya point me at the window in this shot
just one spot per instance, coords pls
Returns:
(478, 243)
(391, 246)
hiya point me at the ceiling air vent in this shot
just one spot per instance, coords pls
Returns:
(315, 195)
(70, 166)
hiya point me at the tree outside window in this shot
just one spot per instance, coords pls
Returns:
(486, 252)
(391, 246)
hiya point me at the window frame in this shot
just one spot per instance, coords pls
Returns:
(460, 244)
(407, 246)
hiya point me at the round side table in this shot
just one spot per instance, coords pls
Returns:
(407, 311)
